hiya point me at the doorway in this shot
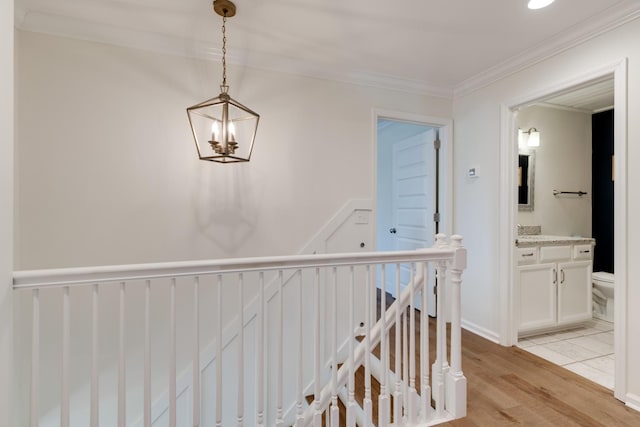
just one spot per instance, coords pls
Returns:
(409, 199)
(617, 73)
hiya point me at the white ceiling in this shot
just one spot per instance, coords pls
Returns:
(438, 47)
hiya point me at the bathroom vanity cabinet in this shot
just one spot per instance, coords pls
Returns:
(553, 288)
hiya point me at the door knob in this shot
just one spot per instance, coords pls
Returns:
(392, 230)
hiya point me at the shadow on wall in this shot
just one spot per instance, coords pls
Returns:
(226, 205)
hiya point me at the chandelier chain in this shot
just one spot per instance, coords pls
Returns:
(224, 86)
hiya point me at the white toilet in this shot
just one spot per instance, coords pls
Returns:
(603, 295)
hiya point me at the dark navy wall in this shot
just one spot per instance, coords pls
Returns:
(602, 188)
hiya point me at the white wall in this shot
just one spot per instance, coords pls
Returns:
(562, 162)
(107, 170)
(478, 136)
(6, 212)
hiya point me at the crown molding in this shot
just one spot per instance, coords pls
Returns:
(615, 17)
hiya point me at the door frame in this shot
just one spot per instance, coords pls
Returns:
(446, 161)
(508, 207)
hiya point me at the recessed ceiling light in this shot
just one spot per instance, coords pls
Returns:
(539, 4)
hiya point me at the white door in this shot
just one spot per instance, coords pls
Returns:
(413, 200)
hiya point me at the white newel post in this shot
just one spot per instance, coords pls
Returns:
(456, 400)
(440, 367)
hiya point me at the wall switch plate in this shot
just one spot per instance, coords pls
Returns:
(361, 217)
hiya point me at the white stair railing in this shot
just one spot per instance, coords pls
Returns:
(242, 367)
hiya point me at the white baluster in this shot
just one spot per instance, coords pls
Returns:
(299, 413)
(425, 394)
(147, 354)
(334, 351)
(405, 365)
(383, 398)
(279, 354)
(368, 404)
(351, 403)
(172, 354)
(219, 353)
(260, 332)
(412, 395)
(34, 417)
(95, 369)
(334, 412)
(317, 416)
(66, 332)
(122, 369)
(196, 352)
(240, 359)
(397, 395)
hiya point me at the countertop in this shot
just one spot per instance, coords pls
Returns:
(549, 240)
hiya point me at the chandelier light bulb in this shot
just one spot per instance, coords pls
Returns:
(232, 131)
(215, 130)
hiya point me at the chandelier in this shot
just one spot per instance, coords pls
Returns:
(223, 129)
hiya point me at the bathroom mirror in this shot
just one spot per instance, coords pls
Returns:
(525, 180)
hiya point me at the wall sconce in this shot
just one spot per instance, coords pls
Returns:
(224, 130)
(528, 138)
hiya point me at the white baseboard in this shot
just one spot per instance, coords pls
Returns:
(633, 401)
(479, 330)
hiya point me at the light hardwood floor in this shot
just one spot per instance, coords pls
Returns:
(510, 386)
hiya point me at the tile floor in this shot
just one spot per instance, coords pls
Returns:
(587, 351)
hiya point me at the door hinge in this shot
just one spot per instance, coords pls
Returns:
(436, 144)
(436, 217)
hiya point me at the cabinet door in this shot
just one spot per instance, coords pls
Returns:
(574, 292)
(536, 296)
